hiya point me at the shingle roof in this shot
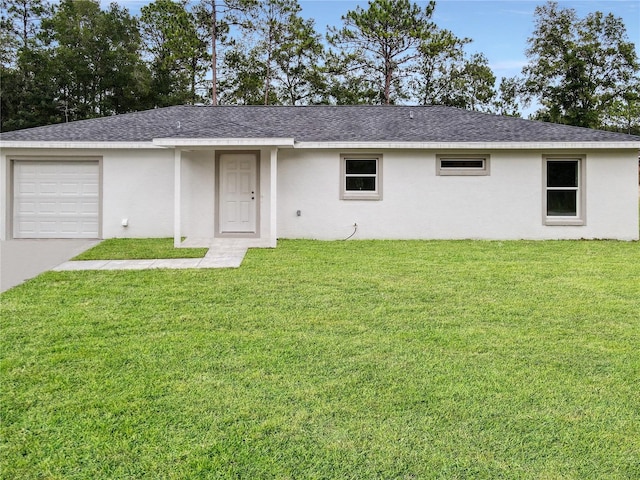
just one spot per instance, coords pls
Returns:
(315, 124)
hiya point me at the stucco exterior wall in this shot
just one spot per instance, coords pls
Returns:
(135, 184)
(418, 204)
(198, 193)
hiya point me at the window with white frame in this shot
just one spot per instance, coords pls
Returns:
(361, 177)
(462, 165)
(564, 191)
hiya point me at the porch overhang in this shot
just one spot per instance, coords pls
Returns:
(197, 143)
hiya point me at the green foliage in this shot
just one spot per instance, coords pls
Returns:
(296, 63)
(341, 360)
(93, 61)
(177, 54)
(382, 43)
(277, 61)
(506, 102)
(623, 113)
(20, 17)
(26, 96)
(71, 60)
(81, 63)
(243, 78)
(578, 68)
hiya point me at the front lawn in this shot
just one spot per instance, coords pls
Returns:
(139, 249)
(331, 360)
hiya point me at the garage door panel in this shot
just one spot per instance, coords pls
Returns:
(56, 199)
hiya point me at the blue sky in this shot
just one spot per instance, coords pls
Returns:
(498, 28)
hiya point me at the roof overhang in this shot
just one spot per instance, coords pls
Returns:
(473, 145)
(75, 145)
(195, 143)
(223, 142)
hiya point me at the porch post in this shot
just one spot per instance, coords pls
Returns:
(273, 188)
(177, 197)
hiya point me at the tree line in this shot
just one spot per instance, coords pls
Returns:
(72, 60)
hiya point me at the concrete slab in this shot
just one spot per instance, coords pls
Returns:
(179, 263)
(128, 264)
(21, 260)
(81, 265)
(223, 253)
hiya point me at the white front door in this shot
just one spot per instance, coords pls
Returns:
(238, 192)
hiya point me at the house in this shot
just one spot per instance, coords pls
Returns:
(321, 172)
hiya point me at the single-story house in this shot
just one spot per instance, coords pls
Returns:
(320, 172)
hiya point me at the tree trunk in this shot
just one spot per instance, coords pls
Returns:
(214, 55)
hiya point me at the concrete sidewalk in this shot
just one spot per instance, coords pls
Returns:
(24, 259)
(223, 253)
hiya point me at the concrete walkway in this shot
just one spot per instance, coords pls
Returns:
(223, 253)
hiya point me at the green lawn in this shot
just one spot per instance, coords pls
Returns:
(139, 249)
(408, 360)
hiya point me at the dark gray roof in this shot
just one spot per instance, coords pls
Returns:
(315, 124)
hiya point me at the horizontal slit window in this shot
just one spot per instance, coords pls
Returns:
(462, 165)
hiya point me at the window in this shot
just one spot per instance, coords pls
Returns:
(462, 165)
(361, 177)
(563, 196)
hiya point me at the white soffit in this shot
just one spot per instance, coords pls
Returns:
(290, 142)
(77, 145)
(223, 142)
(473, 145)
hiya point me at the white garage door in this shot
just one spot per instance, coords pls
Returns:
(56, 199)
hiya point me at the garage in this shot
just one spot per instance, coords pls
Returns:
(56, 198)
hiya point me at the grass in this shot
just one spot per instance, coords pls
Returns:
(139, 249)
(404, 360)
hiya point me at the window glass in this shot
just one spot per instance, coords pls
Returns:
(470, 163)
(463, 165)
(361, 184)
(361, 167)
(562, 174)
(562, 203)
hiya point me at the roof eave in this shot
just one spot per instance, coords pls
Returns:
(224, 142)
(290, 142)
(74, 144)
(534, 145)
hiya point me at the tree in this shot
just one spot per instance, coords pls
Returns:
(506, 102)
(382, 44)
(296, 59)
(440, 55)
(176, 53)
(92, 60)
(24, 86)
(22, 17)
(215, 17)
(623, 114)
(449, 76)
(281, 51)
(578, 68)
(243, 82)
